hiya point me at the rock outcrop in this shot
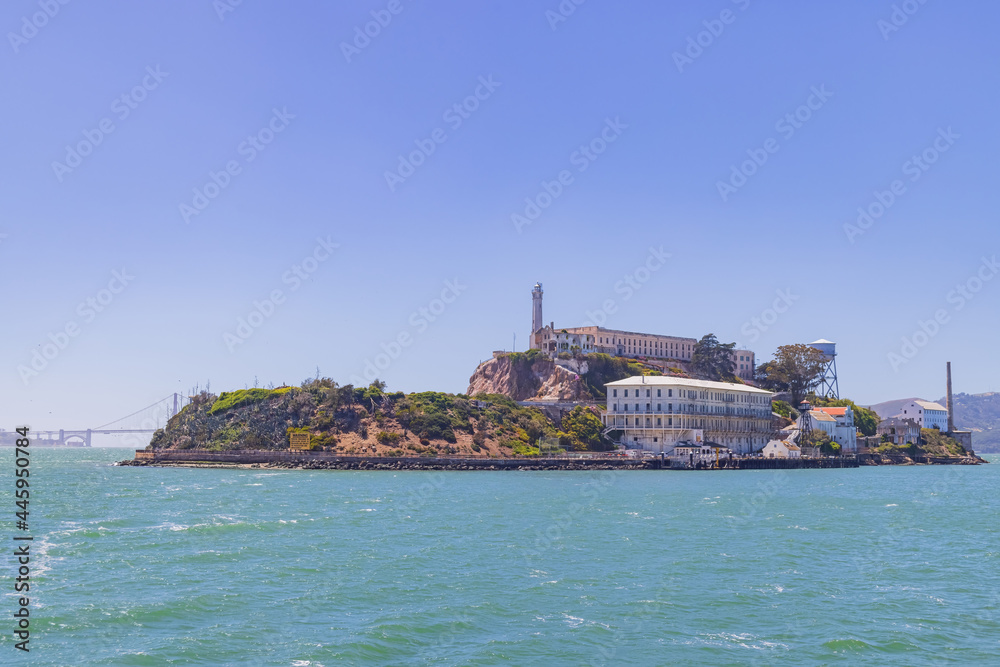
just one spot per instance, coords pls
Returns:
(525, 379)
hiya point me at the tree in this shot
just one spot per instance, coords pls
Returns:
(795, 368)
(866, 420)
(713, 360)
(406, 412)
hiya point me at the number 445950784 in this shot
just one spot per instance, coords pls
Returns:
(22, 473)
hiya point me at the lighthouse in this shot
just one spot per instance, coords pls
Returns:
(536, 312)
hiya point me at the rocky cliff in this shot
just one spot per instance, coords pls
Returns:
(523, 377)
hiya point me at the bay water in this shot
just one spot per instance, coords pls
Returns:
(155, 566)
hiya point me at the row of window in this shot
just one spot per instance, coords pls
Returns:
(694, 409)
(701, 395)
(687, 423)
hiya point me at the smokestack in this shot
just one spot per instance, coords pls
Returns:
(951, 404)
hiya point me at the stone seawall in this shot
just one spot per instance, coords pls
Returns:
(322, 461)
(326, 461)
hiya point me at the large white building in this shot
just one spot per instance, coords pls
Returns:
(618, 343)
(656, 413)
(926, 413)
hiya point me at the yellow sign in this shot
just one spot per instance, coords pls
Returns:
(299, 441)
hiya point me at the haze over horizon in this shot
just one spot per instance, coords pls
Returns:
(173, 169)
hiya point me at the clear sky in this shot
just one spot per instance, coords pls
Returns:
(728, 144)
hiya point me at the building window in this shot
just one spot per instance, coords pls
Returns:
(658, 394)
(614, 393)
(647, 393)
(626, 393)
(637, 407)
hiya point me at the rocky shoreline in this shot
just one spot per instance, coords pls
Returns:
(286, 460)
(886, 460)
(411, 464)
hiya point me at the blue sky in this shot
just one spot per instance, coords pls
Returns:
(323, 123)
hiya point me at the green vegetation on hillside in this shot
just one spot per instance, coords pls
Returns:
(232, 399)
(936, 443)
(603, 368)
(582, 430)
(785, 410)
(362, 417)
(932, 443)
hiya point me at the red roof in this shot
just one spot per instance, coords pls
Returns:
(833, 412)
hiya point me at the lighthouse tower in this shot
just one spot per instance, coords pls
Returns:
(536, 312)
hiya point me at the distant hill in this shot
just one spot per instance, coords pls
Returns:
(979, 413)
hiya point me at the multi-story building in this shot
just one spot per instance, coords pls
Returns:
(926, 413)
(899, 431)
(619, 343)
(844, 432)
(656, 413)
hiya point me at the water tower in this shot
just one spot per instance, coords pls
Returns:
(828, 385)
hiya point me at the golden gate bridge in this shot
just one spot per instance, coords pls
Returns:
(144, 421)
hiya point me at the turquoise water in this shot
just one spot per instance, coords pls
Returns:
(153, 566)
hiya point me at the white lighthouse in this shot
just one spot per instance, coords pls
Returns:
(536, 311)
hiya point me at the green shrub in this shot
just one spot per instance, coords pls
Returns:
(233, 399)
(388, 438)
